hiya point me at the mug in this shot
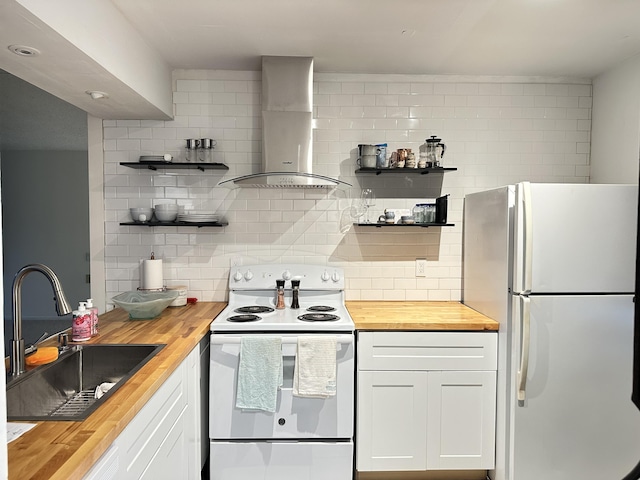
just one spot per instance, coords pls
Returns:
(367, 161)
(389, 216)
(367, 150)
(393, 161)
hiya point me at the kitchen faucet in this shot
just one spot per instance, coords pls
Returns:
(62, 308)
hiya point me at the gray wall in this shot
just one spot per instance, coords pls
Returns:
(43, 148)
(45, 220)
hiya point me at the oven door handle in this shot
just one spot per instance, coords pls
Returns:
(217, 339)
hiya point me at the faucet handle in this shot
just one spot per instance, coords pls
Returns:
(63, 342)
(34, 346)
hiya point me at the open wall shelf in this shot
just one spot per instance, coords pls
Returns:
(404, 225)
(175, 224)
(175, 165)
(408, 171)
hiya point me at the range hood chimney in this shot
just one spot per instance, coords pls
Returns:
(287, 118)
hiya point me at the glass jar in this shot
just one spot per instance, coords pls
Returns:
(429, 212)
(418, 213)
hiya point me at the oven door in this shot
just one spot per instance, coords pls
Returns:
(295, 417)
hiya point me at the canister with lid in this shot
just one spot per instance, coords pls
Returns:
(181, 299)
(418, 213)
(426, 212)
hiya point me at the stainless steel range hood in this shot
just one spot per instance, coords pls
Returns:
(287, 137)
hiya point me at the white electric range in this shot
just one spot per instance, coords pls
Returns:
(309, 438)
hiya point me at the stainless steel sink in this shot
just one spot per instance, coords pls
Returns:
(65, 389)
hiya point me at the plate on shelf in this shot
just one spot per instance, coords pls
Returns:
(198, 217)
(155, 158)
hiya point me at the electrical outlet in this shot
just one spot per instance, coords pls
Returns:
(421, 267)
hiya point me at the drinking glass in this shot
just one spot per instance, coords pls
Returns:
(368, 200)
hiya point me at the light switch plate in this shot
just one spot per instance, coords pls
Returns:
(421, 267)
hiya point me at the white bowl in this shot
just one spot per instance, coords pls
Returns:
(167, 207)
(164, 216)
(138, 212)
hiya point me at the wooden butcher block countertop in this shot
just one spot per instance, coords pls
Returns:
(402, 315)
(67, 450)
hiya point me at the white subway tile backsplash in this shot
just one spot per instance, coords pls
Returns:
(388, 100)
(188, 85)
(496, 133)
(580, 90)
(378, 88)
(489, 89)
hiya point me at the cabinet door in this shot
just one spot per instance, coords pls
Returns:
(170, 460)
(391, 421)
(142, 438)
(461, 420)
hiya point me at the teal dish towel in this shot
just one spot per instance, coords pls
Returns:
(259, 372)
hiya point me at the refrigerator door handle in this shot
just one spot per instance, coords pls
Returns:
(527, 237)
(523, 370)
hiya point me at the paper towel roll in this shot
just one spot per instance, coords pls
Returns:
(152, 275)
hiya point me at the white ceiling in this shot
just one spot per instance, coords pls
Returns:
(549, 38)
(578, 38)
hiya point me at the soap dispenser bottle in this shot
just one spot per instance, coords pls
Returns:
(94, 316)
(81, 326)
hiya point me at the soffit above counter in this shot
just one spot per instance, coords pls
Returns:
(86, 47)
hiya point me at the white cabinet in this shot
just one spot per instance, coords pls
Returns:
(391, 421)
(461, 407)
(163, 441)
(426, 401)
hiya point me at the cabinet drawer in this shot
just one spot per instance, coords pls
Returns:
(427, 350)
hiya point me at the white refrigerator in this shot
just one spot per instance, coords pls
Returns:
(555, 265)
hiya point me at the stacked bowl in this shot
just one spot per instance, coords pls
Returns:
(141, 214)
(166, 212)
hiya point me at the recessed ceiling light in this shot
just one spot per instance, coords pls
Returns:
(24, 51)
(96, 95)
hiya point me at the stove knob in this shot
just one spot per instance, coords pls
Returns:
(286, 275)
(248, 276)
(335, 277)
(238, 276)
(325, 276)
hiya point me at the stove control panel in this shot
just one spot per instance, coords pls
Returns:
(261, 277)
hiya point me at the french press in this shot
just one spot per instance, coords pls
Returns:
(435, 151)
